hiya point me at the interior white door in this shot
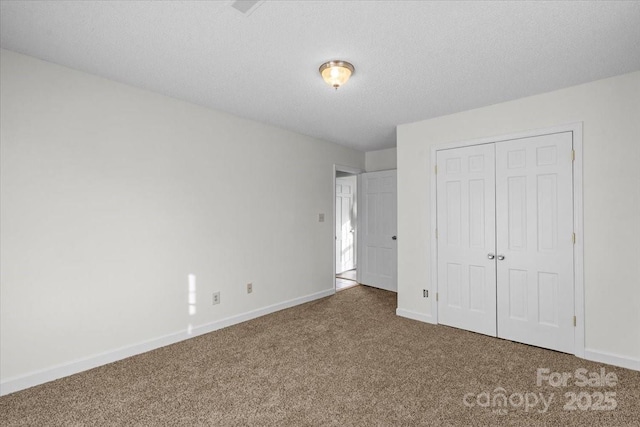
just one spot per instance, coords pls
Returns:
(345, 223)
(466, 238)
(535, 284)
(378, 251)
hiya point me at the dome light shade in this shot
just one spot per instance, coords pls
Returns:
(336, 73)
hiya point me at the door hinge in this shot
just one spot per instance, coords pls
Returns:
(574, 321)
(436, 296)
(436, 233)
(573, 238)
(573, 155)
(435, 169)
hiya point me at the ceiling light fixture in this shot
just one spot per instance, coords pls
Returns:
(336, 73)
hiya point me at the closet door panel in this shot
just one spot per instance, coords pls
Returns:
(466, 237)
(534, 216)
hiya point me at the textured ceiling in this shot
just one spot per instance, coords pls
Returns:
(414, 60)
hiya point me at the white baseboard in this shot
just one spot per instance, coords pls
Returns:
(31, 379)
(427, 318)
(612, 359)
(589, 354)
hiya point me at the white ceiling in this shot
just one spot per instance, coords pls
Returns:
(414, 60)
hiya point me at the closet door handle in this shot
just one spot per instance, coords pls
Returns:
(500, 257)
(491, 256)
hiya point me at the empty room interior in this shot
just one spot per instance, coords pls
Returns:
(455, 238)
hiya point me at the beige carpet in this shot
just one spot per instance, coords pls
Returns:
(346, 360)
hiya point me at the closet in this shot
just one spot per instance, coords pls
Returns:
(505, 239)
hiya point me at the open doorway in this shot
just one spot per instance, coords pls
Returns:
(345, 226)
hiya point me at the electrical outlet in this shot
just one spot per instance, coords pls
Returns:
(249, 288)
(425, 293)
(321, 217)
(216, 298)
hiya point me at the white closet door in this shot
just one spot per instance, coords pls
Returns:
(534, 213)
(378, 250)
(466, 238)
(345, 223)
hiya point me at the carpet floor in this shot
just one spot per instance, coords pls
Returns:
(345, 360)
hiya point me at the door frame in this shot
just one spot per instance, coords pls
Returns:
(578, 224)
(356, 172)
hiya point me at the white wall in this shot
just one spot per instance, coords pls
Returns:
(610, 111)
(380, 160)
(112, 196)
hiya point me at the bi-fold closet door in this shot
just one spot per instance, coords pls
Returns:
(505, 247)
